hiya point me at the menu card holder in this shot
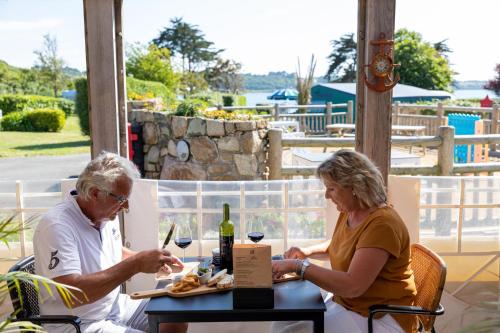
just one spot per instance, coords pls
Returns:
(252, 277)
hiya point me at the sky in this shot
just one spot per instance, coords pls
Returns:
(262, 35)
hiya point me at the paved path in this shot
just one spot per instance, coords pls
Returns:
(42, 167)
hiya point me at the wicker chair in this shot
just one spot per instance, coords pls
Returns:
(30, 311)
(430, 273)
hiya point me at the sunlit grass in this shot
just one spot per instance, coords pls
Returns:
(68, 141)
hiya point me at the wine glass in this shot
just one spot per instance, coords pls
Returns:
(183, 237)
(256, 230)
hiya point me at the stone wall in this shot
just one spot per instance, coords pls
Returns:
(219, 150)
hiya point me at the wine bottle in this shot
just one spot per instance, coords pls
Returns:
(226, 240)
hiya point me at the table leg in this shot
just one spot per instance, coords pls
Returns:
(153, 324)
(319, 323)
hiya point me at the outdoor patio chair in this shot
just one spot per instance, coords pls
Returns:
(430, 273)
(30, 311)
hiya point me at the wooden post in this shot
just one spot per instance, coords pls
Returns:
(350, 112)
(100, 44)
(494, 124)
(395, 116)
(276, 112)
(121, 83)
(275, 154)
(440, 114)
(445, 151)
(360, 87)
(373, 132)
(328, 113)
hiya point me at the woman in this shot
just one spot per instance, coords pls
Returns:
(369, 251)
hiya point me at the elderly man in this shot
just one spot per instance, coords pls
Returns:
(78, 243)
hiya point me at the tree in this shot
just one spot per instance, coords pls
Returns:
(192, 83)
(51, 66)
(342, 60)
(421, 64)
(224, 76)
(151, 64)
(188, 42)
(494, 84)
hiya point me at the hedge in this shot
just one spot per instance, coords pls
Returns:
(39, 120)
(15, 103)
(82, 105)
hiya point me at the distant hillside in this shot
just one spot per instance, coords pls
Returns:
(271, 81)
(472, 84)
(73, 72)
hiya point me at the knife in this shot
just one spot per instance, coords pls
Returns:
(167, 240)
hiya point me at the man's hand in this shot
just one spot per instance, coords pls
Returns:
(152, 260)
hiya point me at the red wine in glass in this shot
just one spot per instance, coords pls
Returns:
(255, 236)
(183, 237)
(183, 242)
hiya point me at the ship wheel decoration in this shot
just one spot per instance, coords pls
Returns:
(382, 66)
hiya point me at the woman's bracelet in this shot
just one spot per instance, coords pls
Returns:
(298, 266)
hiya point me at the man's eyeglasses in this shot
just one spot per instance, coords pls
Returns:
(121, 199)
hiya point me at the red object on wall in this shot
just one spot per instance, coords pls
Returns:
(131, 138)
(486, 102)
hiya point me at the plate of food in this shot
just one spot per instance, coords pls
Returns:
(190, 285)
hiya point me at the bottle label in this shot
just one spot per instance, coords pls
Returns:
(226, 251)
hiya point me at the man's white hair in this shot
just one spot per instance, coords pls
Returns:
(102, 173)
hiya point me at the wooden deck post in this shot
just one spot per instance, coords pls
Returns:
(121, 82)
(396, 111)
(276, 112)
(350, 112)
(373, 112)
(445, 151)
(494, 124)
(328, 113)
(103, 69)
(275, 154)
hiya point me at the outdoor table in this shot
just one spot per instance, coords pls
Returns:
(293, 300)
(285, 124)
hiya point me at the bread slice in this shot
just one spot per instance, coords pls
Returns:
(216, 278)
(227, 282)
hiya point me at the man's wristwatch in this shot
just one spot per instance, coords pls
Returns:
(305, 264)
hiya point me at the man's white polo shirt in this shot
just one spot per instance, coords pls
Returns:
(67, 242)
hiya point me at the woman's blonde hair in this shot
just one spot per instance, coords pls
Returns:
(349, 168)
(102, 173)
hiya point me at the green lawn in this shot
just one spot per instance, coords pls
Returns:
(68, 141)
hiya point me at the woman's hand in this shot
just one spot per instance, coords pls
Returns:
(296, 253)
(282, 267)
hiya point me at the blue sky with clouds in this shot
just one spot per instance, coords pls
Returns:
(263, 35)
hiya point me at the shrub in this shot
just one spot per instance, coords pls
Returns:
(15, 103)
(82, 105)
(191, 108)
(234, 100)
(228, 100)
(230, 115)
(14, 121)
(242, 100)
(40, 120)
(46, 120)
